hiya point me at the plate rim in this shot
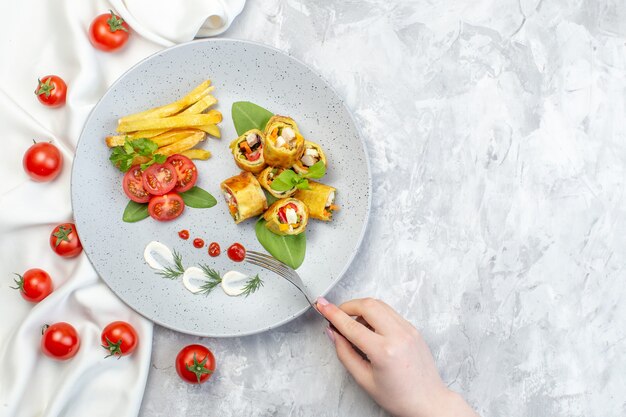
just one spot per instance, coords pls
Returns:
(364, 227)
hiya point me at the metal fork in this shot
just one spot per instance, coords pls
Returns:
(285, 271)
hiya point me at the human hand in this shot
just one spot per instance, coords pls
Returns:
(400, 375)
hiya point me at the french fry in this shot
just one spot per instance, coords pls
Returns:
(197, 154)
(119, 140)
(183, 144)
(189, 120)
(212, 130)
(200, 106)
(172, 136)
(172, 108)
(140, 160)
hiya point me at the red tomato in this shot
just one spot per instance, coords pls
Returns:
(166, 207)
(60, 341)
(282, 215)
(198, 243)
(214, 249)
(64, 240)
(43, 161)
(186, 172)
(236, 252)
(133, 185)
(183, 234)
(254, 155)
(108, 32)
(34, 285)
(51, 91)
(195, 364)
(119, 338)
(159, 179)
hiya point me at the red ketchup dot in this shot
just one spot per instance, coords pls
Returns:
(214, 249)
(236, 252)
(183, 234)
(198, 243)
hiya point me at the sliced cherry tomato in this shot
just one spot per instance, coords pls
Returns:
(186, 172)
(166, 207)
(254, 155)
(183, 234)
(60, 341)
(43, 161)
(64, 241)
(198, 243)
(51, 91)
(133, 185)
(214, 249)
(159, 179)
(119, 338)
(195, 364)
(34, 285)
(108, 32)
(236, 252)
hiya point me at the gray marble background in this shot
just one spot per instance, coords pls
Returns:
(498, 144)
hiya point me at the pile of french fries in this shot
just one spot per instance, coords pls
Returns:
(175, 127)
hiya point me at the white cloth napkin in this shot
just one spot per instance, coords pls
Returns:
(42, 38)
(173, 21)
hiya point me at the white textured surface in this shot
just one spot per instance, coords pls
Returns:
(497, 139)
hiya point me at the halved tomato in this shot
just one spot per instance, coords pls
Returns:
(133, 185)
(186, 171)
(166, 207)
(159, 179)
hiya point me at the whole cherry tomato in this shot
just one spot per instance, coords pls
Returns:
(51, 91)
(64, 241)
(195, 364)
(108, 32)
(34, 285)
(119, 338)
(43, 161)
(60, 341)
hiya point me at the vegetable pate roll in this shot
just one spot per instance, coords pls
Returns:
(267, 176)
(287, 216)
(320, 199)
(244, 196)
(283, 143)
(247, 150)
(312, 154)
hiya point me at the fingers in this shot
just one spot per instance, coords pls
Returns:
(375, 312)
(354, 331)
(358, 367)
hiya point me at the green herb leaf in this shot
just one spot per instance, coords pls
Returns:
(196, 197)
(252, 285)
(123, 156)
(248, 116)
(175, 271)
(317, 170)
(213, 280)
(303, 184)
(285, 181)
(135, 212)
(288, 249)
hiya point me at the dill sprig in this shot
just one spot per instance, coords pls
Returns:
(175, 271)
(252, 285)
(213, 280)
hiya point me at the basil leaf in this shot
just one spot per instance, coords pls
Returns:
(248, 116)
(289, 249)
(285, 181)
(196, 197)
(135, 212)
(317, 170)
(303, 184)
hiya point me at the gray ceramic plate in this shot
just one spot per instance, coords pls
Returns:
(240, 71)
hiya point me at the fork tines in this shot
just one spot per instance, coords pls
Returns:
(266, 261)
